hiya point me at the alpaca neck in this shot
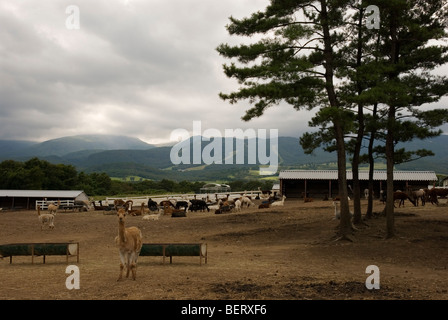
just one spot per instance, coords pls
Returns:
(121, 231)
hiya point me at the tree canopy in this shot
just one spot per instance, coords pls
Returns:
(365, 82)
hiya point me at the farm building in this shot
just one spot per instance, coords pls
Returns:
(26, 199)
(215, 188)
(323, 184)
(445, 182)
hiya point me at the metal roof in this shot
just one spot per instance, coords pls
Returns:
(41, 193)
(379, 175)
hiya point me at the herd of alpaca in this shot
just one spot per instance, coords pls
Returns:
(130, 240)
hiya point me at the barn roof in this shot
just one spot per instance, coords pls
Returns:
(379, 175)
(41, 193)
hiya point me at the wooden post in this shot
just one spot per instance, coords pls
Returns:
(305, 195)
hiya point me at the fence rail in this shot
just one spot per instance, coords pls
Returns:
(64, 205)
(43, 204)
(137, 201)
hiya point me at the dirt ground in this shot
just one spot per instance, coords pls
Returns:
(282, 253)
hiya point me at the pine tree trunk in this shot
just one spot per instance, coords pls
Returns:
(390, 176)
(345, 222)
(360, 133)
(369, 212)
(390, 137)
(345, 226)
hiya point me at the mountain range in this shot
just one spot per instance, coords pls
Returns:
(121, 156)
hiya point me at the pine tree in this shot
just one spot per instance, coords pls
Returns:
(408, 54)
(295, 62)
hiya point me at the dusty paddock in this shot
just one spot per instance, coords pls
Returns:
(286, 253)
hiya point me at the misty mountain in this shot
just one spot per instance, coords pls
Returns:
(289, 153)
(12, 146)
(68, 145)
(120, 156)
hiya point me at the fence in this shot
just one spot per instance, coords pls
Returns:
(64, 204)
(137, 201)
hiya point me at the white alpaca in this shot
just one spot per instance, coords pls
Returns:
(278, 203)
(366, 193)
(129, 242)
(237, 205)
(337, 210)
(245, 201)
(152, 217)
(215, 206)
(45, 218)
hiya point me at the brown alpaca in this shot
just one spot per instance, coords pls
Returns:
(137, 212)
(129, 242)
(398, 195)
(52, 208)
(264, 205)
(169, 210)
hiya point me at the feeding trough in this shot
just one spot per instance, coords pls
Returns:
(68, 249)
(175, 249)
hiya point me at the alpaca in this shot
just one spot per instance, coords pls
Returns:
(45, 218)
(137, 212)
(238, 205)
(337, 210)
(129, 242)
(52, 208)
(419, 195)
(264, 205)
(215, 206)
(119, 203)
(366, 193)
(279, 202)
(246, 201)
(399, 195)
(170, 210)
(152, 217)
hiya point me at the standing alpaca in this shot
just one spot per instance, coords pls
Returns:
(52, 208)
(337, 210)
(45, 218)
(399, 195)
(129, 242)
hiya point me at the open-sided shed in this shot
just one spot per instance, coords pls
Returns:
(26, 199)
(321, 184)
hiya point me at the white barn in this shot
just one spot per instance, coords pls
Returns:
(26, 199)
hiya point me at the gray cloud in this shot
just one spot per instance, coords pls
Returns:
(139, 68)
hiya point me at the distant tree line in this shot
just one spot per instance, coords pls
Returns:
(37, 174)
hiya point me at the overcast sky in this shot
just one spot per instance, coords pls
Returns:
(139, 68)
